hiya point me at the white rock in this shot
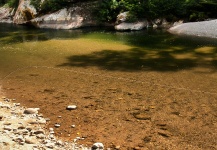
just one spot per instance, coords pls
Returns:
(49, 145)
(57, 125)
(7, 128)
(40, 136)
(131, 26)
(71, 107)
(31, 111)
(30, 140)
(98, 146)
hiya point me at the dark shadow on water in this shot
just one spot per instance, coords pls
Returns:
(135, 59)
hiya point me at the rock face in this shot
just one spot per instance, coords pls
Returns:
(6, 14)
(71, 18)
(204, 29)
(25, 12)
(123, 25)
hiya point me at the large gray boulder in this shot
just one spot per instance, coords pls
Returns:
(25, 12)
(67, 18)
(6, 14)
(204, 29)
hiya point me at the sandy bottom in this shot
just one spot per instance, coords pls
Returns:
(131, 110)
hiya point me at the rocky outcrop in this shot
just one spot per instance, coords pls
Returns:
(71, 18)
(131, 26)
(123, 25)
(6, 14)
(203, 29)
(25, 12)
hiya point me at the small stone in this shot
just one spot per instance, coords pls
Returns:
(42, 121)
(56, 125)
(40, 136)
(59, 142)
(7, 128)
(117, 147)
(47, 119)
(17, 104)
(21, 127)
(50, 145)
(73, 126)
(29, 140)
(7, 123)
(98, 146)
(39, 132)
(31, 111)
(52, 132)
(71, 107)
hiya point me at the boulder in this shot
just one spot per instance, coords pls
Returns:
(131, 26)
(25, 12)
(123, 25)
(68, 18)
(6, 14)
(202, 29)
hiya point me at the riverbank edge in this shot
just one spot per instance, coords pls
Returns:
(23, 131)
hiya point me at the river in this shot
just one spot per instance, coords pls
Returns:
(122, 82)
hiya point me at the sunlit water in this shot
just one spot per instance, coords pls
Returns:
(153, 50)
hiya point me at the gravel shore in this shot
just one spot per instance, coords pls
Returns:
(202, 29)
(24, 129)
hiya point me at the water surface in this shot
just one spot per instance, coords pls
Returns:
(120, 81)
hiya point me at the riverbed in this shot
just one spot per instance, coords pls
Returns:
(145, 89)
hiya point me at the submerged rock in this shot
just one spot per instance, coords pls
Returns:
(98, 146)
(31, 111)
(71, 107)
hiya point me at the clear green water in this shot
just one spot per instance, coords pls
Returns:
(105, 49)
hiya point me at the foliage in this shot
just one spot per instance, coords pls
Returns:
(10, 3)
(107, 10)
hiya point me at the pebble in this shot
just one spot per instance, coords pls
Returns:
(98, 146)
(71, 107)
(7, 128)
(24, 128)
(57, 125)
(39, 131)
(40, 136)
(49, 145)
(31, 111)
(29, 140)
